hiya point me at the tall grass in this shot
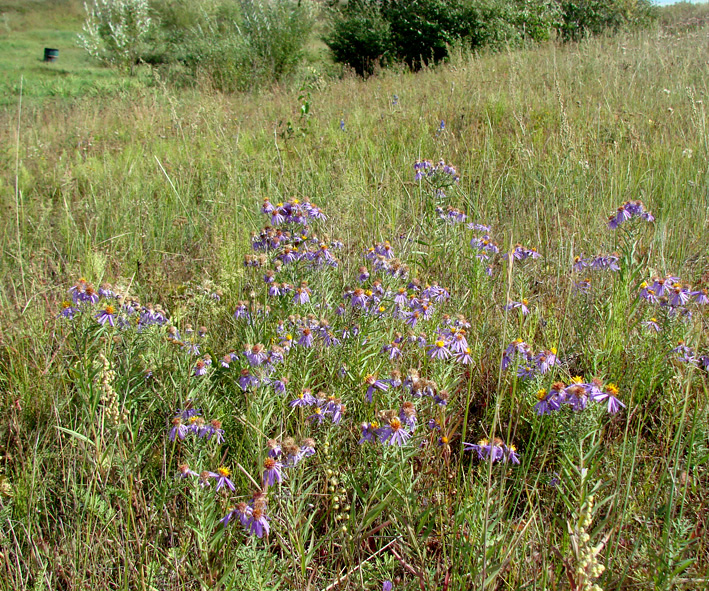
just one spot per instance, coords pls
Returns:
(158, 193)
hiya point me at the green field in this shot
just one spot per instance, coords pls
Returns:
(158, 191)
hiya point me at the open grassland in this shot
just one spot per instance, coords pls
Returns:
(108, 478)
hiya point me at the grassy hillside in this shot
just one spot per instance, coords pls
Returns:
(109, 479)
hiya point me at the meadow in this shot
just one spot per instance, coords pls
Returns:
(434, 330)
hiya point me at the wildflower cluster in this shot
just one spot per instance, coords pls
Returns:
(115, 310)
(494, 451)
(577, 395)
(190, 422)
(292, 212)
(439, 174)
(392, 427)
(601, 262)
(382, 257)
(628, 211)
(669, 292)
(529, 364)
(323, 405)
(251, 515)
(451, 214)
(484, 245)
(522, 253)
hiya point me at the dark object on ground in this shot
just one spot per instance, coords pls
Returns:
(50, 55)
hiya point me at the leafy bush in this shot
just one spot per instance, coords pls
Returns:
(233, 44)
(361, 37)
(116, 31)
(422, 30)
(419, 32)
(592, 17)
(246, 44)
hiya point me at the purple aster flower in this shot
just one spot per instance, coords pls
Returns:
(108, 314)
(701, 297)
(393, 433)
(439, 350)
(580, 263)
(628, 211)
(272, 472)
(374, 384)
(279, 385)
(68, 311)
(179, 430)
(241, 311)
(526, 372)
(200, 367)
(458, 342)
(369, 432)
(407, 416)
(679, 295)
(521, 305)
(317, 416)
(387, 586)
(464, 357)
(246, 380)
(545, 360)
(610, 392)
(257, 523)
(393, 350)
(511, 454)
(213, 429)
(684, 353)
(576, 394)
(302, 295)
(548, 402)
(185, 472)
(307, 448)
(305, 398)
(652, 325)
(222, 475)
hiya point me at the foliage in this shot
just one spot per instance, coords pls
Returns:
(230, 44)
(248, 44)
(418, 32)
(547, 144)
(580, 18)
(115, 31)
(361, 37)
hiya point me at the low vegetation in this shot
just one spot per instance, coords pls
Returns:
(434, 329)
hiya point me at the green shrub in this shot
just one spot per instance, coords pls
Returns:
(245, 44)
(116, 31)
(422, 30)
(361, 37)
(233, 44)
(419, 32)
(580, 18)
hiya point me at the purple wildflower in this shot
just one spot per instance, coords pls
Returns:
(373, 384)
(222, 475)
(272, 472)
(369, 432)
(108, 314)
(393, 433)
